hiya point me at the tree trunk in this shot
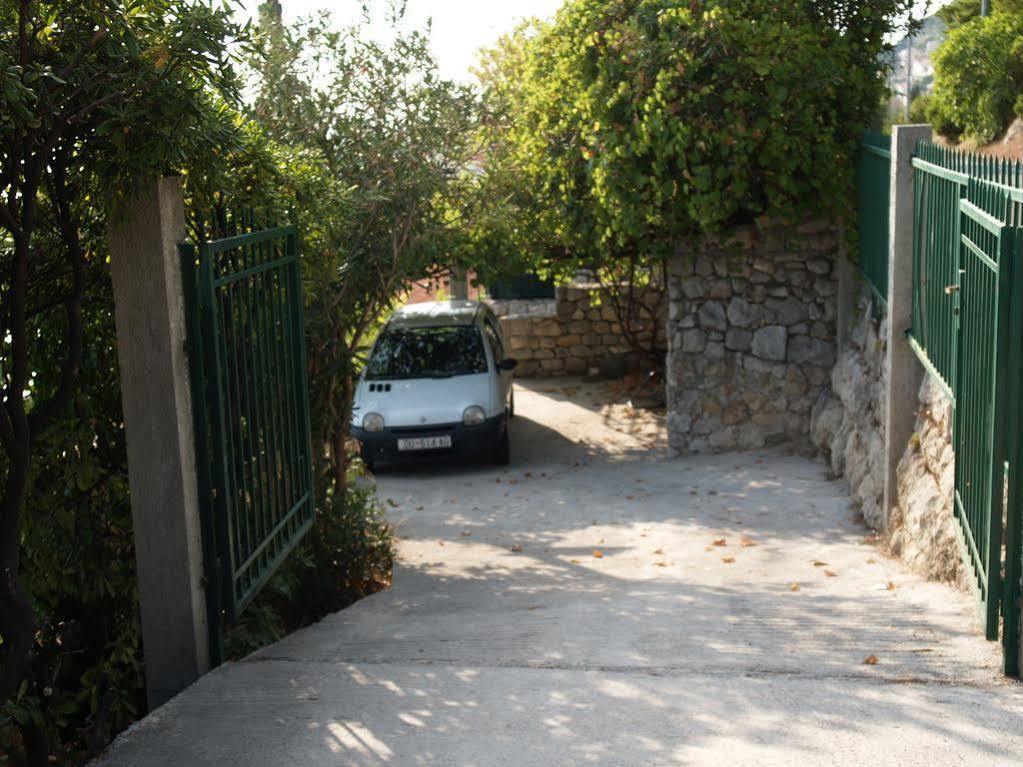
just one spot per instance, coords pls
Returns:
(339, 441)
(17, 621)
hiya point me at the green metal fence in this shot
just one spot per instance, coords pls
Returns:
(967, 329)
(942, 176)
(982, 299)
(873, 182)
(247, 357)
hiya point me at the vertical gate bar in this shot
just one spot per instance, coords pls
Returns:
(273, 376)
(251, 508)
(240, 363)
(266, 512)
(283, 368)
(197, 384)
(267, 430)
(270, 435)
(233, 409)
(223, 524)
(918, 207)
(302, 375)
(996, 466)
(1011, 613)
(291, 342)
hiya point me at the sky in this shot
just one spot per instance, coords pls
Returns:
(460, 27)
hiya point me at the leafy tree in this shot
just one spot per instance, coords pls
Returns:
(639, 123)
(93, 98)
(978, 77)
(959, 12)
(394, 138)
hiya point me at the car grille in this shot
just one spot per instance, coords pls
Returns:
(429, 429)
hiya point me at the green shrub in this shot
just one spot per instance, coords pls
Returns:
(85, 679)
(919, 108)
(978, 77)
(346, 556)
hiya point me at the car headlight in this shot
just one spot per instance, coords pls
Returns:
(473, 416)
(373, 422)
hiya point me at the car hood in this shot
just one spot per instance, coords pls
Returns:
(422, 401)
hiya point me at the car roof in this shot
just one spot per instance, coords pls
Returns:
(437, 313)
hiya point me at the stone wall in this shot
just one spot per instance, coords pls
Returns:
(575, 334)
(922, 530)
(751, 337)
(847, 425)
(847, 420)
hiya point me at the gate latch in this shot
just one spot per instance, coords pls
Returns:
(950, 289)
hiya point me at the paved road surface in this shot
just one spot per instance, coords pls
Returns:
(597, 603)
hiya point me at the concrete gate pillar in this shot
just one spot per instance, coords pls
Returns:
(904, 371)
(150, 317)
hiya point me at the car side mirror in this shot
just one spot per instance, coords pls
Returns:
(508, 364)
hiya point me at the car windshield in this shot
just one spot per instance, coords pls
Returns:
(438, 352)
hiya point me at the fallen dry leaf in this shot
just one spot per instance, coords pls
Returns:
(728, 560)
(598, 554)
(658, 551)
(419, 508)
(871, 561)
(794, 587)
(720, 542)
(516, 548)
(440, 543)
(465, 533)
(747, 542)
(818, 563)
(392, 503)
(870, 660)
(831, 573)
(890, 586)
(630, 497)
(575, 561)
(661, 564)
(528, 474)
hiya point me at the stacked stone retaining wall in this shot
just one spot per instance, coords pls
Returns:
(751, 337)
(576, 333)
(847, 425)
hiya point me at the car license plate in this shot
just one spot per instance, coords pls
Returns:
(424, 443)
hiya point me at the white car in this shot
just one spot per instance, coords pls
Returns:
(437, 382)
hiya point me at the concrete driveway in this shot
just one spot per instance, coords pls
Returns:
(598, 603)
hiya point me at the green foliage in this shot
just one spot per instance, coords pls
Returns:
(392, 138)
(920, 109)
(94, 99)
(958, 12)
(347, 556)
(641, 122)
(978, 77)
(85, 680)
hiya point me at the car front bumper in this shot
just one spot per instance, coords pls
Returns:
(466, 441)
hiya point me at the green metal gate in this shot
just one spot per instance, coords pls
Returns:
(968, 332)
(983, 296)
(246, 341)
